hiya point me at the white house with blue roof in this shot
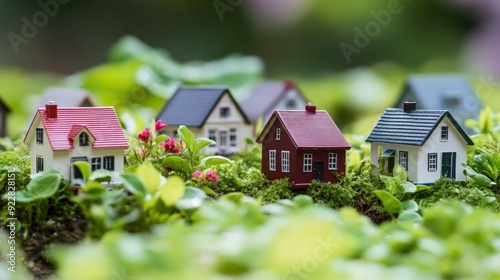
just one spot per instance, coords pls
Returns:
(429, 144)
(209, 112)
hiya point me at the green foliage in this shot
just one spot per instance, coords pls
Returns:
(335, 196)
(237, 239)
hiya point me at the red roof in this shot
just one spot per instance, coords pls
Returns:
(101, 122)
(308, 130)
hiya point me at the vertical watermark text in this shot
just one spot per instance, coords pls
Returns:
(11, 220)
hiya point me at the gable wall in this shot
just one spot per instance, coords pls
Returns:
(291, 94)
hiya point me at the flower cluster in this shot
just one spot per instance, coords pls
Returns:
(171, 147)
(147, 135)
(205, 176)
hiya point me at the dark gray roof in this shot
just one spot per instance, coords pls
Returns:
(411, 128)
(450, 92)
(191, 106)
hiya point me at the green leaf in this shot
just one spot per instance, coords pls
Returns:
(409, 216)
(23, 196)
(44, 185)
(422, 188)
(84, 168)
(192, 199)
(100, 175)
(391, 203)
(187, 137)
(160, 138)
(203, 142)
(488, 200)
(92, 186)
(215, 160)
(400, 173)
(235, 197)
(302, 201)
(133, 184)
(149, 176)
(390, 183)
(408, 187)
(409, 205)
(177, 163)
(172, 190)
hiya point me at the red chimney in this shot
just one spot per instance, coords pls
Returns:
(311, 108)
(51, 110)
(288, 84)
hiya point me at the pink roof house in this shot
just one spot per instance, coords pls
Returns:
(60, 136)
(302, 145)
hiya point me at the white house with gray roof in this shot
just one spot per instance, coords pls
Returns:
(429, 144)
(209, 112)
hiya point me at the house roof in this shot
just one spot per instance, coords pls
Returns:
(66, 97)
(410, 128)
(191, 106)
(308, 130)
(101, 122)
(266, 96)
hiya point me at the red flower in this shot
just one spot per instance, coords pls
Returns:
(169, 146)
(143, 152)
(144, 135)
(196, 175)
(211, 175)
(159, 125)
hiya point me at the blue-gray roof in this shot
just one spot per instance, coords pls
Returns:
(410, 128)
(451, 92)
(191, 106)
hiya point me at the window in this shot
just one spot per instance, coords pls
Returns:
(39, 164)
(225, 112)
(84, 139)
(95, 163)
(290, 103)
(109, 163)
(403, 159)
(232, 137)
(285, 161)
(432, 162)
(308, 162)
(212, 136)
(175, 133)
(444, 133)
(272, 160)
(332, 161)
(223, 138)
(278, 133)
(39, 135)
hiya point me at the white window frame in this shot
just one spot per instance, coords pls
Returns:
(225, 112)
(233, 137)
(332, 161)
(285, 161)
(307, 166)
(84, 139)
(223, 139)
(432, 162)
(96, 163)
(444, 133)
(212, 135)
(272, 160)
(39, 135)
(403, 159)
(278, 133)
(39, 164)
(108, 163)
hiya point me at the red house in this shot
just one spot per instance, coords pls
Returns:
(302, 145)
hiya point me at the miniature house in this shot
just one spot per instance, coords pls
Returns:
(429, 144)
(4, 112)
(451, 92)
(269, 96)
(59, 136)
(302, 145)
(209, 112)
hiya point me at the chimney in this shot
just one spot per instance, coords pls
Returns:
(311, 108)
(288, 84)
(51, 110)
(409, 106)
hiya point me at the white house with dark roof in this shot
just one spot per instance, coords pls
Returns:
(57, 137)
(269, 96)
(209, 112)
(429, 144)
(452, 92)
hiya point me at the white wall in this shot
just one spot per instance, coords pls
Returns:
(290, 94)
(40, 150)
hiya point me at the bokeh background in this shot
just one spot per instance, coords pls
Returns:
(132, 54)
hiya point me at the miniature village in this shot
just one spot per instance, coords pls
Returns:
(246, 140)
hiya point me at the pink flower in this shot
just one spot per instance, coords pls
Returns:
(196, 175)
(159, 125)
(211, 175)
(143, 152)
(144, 135)
(169, 146)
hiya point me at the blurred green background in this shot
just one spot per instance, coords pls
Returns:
(132, 54)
